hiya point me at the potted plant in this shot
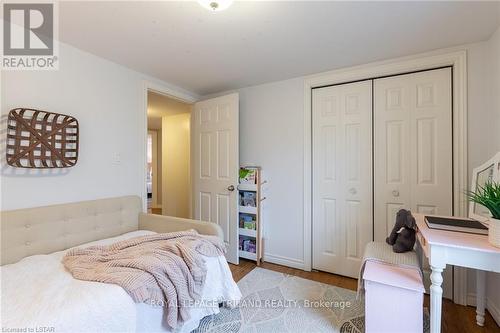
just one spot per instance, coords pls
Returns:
(489, 197)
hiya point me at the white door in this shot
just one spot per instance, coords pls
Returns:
(342, 176)
(215, 130)
(413, 149)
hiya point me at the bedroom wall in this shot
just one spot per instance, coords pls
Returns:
(107, 100)
(271, 136)
(176, 172)
(495, 91)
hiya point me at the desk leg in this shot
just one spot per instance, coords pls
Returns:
(436, 298)
(480, 296)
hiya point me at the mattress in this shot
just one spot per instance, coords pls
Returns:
(38, 293)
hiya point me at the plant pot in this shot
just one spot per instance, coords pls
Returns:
(494, 232)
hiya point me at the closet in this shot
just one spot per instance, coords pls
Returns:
(342, 176)
(378, 145)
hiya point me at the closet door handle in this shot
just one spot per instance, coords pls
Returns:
(230, 188)
(353, 190)
(395, 193)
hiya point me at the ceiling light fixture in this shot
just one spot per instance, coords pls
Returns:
(215, 5)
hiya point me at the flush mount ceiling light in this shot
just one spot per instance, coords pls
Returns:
(215, 5)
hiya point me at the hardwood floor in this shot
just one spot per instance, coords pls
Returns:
(156, 211)
(456, 318)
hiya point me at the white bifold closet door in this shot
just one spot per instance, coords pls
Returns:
(342, 176)
(413, 150)
(356, 197)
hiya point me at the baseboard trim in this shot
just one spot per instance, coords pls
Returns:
(284, 261)
(471, 299)
(493, 309)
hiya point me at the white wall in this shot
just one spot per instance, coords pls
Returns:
(495, 91)
(107, 100)
(271, 136)
(176, 174)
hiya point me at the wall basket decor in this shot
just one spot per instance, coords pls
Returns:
(41, 139)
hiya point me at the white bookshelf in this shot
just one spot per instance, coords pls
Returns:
(248, 232)
(247, 209)
(247, 187)
(248, 255)
(250, 213)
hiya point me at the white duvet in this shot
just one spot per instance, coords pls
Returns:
(39, 295)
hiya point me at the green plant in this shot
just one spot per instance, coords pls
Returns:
(244, 173)
(487, 196)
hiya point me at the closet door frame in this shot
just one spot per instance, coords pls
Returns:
(458, 62)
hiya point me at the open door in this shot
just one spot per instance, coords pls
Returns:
(215, 165)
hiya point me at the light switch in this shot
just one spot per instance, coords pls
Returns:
(116, 158)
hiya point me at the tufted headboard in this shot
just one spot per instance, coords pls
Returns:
(48, 229)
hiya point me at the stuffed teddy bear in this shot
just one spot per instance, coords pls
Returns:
(402, 237)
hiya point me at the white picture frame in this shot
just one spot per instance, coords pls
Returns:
(488, 171)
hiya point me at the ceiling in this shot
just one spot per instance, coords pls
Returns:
(256, 42)
(162, 106)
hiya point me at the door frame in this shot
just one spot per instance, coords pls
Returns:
(175, 93)
(458, 61)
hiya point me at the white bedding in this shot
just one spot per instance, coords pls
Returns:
(38, 292)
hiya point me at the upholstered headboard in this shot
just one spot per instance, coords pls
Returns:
(48, 229)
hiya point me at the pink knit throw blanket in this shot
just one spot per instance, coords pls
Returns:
(161, 269)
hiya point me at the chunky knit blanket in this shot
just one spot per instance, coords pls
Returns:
(382, 252)
(161, 269)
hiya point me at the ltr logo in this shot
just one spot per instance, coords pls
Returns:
(28, 29)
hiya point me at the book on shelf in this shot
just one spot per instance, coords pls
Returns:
(248, 199)
(248, 175)
(247, 244)
(247, 221)
(456, 224)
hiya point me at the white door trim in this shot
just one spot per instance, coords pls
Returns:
(458, 60)
(163, 90)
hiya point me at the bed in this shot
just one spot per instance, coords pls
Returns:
(38, 293)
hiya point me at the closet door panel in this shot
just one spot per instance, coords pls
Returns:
(391, 152)
(357, 176)
(413, 150)
(431, 127)
(327, 171)
(413, 146)
(342, 193)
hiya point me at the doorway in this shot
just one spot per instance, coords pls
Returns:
(168, 177)
(209, 144)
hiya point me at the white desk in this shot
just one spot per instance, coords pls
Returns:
(460, 249)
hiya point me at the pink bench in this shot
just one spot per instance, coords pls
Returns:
(394, 298)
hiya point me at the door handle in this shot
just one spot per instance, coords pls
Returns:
(230, 188)
(353, 191)
(395, 193)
